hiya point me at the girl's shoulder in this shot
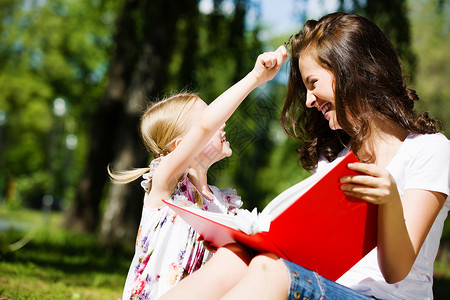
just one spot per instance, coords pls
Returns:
(146, 183)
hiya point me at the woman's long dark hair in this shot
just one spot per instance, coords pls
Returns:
(369, 83)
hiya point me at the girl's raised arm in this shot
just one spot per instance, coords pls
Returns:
(214, 116)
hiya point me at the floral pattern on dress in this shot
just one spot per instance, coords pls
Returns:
(167, 248)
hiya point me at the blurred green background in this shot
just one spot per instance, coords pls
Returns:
(75, 76)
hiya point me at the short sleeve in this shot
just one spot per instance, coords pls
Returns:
(430, 168)
(231, 200)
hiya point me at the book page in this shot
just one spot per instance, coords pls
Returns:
(246, 221)
(289, 196)
(254, 222)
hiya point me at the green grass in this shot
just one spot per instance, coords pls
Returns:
(57, 264)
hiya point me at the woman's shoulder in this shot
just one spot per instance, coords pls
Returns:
(429, 140)
(435, 144)
(426, 145)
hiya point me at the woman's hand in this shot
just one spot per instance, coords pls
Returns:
(375, 184)
(269, 63)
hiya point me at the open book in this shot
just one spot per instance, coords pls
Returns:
(312, 224)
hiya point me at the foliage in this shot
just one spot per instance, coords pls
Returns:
(433, 67)
(62, 48)
(49, 49)
(433, 72)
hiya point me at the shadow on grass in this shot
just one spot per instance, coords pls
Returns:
(68, 257)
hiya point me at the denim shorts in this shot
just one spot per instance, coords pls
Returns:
(308, 285)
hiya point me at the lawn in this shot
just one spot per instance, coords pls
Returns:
(58, 264)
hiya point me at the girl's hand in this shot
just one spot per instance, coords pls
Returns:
(375, 185)
(268, 64)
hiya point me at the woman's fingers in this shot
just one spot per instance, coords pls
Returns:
(369, 169)
(362, 189)
(374, 185)
(360, 179)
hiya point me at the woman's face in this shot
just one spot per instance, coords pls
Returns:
(319, 83)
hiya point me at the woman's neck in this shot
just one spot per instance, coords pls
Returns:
(383, 142)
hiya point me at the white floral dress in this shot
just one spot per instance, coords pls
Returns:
(167, 249)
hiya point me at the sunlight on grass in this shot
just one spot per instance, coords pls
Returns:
(57, 264)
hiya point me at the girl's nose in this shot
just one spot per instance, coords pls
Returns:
(310, 99)
(223, 126)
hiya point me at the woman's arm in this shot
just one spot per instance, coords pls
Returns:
(403, 224)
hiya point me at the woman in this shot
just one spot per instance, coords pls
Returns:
(346, 90)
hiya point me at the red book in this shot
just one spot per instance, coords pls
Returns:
(312, 224)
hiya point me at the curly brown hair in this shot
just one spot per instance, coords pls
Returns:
(368, 83)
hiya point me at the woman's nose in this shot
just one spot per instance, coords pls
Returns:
(310, 99)
(223, 126)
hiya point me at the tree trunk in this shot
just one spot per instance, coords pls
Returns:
(392, 17)
(84, 213)
(122, 216)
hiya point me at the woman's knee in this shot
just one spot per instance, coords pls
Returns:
(267, 275)
(238, 251)
(265, 261)
(230, 261)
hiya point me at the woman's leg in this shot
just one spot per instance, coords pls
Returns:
(266, 278)
(269, 277)
(215, 278)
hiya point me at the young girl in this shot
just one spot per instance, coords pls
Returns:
(346, 90)
(186, 136)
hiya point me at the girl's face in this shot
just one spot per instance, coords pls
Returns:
(319, 83)
(218, 147)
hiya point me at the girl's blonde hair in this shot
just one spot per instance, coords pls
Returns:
(161, 124)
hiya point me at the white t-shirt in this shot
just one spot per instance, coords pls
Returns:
(422, 162)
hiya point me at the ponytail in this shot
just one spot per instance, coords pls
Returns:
(123, 177)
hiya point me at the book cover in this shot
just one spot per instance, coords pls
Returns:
(318, 228)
